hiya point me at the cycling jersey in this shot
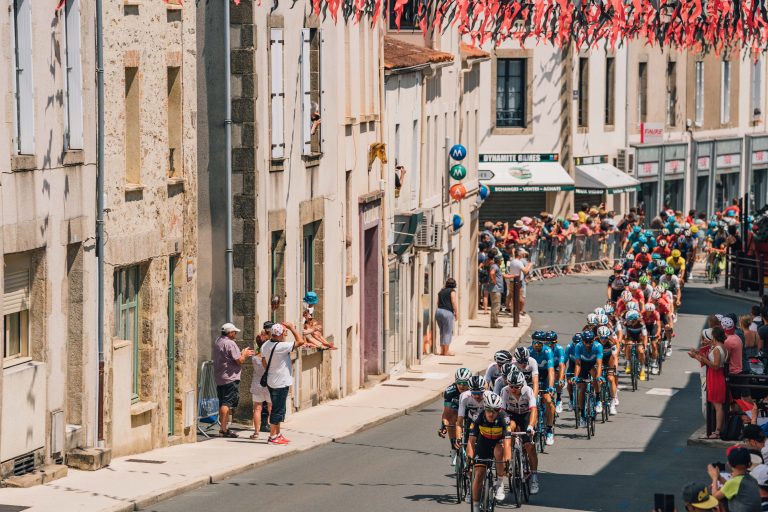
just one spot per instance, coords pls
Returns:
(618, 282)
(665, 252)
(570, 356)
(673, 282)
(589, 355)
(638, 296)
(635, 332)
(451, 397)
(492, 373)
(544, 359)
(501, 381)
(494, 430)
(530, 370)
(558, 355)
(468, 406)
(650, 319)
(518, 405)
(644, 258)
(678, 264)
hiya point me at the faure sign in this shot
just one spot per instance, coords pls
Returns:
(733, 160)
(674, 167)
(651, 133)
(702, 163)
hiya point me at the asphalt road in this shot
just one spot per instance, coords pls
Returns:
(403, 465)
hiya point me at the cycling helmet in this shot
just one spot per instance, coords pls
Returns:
(675, 253)
(618, 267)
(591, 319)
(644, 279)
(636, 229)
(536, 335)
(665, 286)
(664, 231)
(632, 316)
(677, 230)
(602, 320)
(626, 295)
(687, 225)
(644, 249)
(492, 401)
(477, 383)
(655, 295)
(515, 378)
(650, 308)
(633, 306)
(506, 367)
(576, 338)
(687, 232)
(550, 337)
(663, 242)
(538, 341)
(648, 233)
(603, 332)
(669, 271)
(712, 224)
(599, 311)
(634, 285)
(694, 229)
(587, 336)
(642, 239)
(463, 375)
(502, 356)
(662, 263)
(609, 309)
(521, 355)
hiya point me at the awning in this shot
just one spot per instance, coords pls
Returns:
(525, 177)
(603, 177)
(404, 228)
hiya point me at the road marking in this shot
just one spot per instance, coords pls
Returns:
(662, 391)
(434, 375)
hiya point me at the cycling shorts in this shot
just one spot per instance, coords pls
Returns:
(664, 319)
(615, 295)
(586, 369)
(521, 422)
(570, 368)
(484, 448)
(543, 383)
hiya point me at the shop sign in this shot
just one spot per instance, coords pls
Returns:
(590, 160)
(531, 188)
(760, 157)
(674, 167)
(703, 163)
(519, 157)
(651, 133)
(733, 160)
(590, 191)
(622, 190)
(647, 169)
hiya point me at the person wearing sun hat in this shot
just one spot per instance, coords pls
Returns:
(697, 497)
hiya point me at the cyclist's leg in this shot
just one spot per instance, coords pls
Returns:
(498, 455)
(477, 484)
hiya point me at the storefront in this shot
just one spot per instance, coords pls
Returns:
(758, 171)
(727, 173)
(598, 182)
(523, 184)
(674, 165)
(648, 164)
(704, 169)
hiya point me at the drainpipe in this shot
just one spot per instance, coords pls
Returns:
(100, 217)
(228, 160)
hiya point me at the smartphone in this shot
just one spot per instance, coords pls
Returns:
(664, 502)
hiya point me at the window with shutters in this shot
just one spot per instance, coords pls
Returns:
(642, 91)
(311, 90)
(756, 101)
(174, 122)
(74, 81)
(24, 104)
(699, 93)
(132, 126)
(583, 111)
(277, 93)
(671, 102)
(725, 92)
(610, 90)
(126, 289)
(16, 305)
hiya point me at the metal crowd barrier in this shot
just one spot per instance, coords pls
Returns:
(744, 273)
(554, 256)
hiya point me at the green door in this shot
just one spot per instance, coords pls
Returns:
(171, 346)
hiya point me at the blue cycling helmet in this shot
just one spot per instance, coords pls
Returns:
(636, 229)
(712, 224)
(587, 336)
(631, 316)
(648, 233)
(655, 256)
(537, 335)
(642, 239)
(576, 338)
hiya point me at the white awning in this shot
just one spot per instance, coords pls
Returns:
(525, 177)
(604, 177)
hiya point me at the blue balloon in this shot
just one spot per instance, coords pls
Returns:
(458, 221)
(484, 192)
(458, 152)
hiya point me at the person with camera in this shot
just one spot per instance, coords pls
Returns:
(260, 393)
(227, 367)
(278, 374)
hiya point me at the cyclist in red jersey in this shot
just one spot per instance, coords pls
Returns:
(652, 321)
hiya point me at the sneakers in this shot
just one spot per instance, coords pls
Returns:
(626, 369)
(534, 483)
(612, 409)
(278, 439)
(654, 369)
(642, 374)
(599, 407)
(559, 407)
(616, 400)
(669, 351)
(453, 458)
(550, 440)
(468, 497)
(500, 495)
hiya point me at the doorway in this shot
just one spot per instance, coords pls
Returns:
(371, 309)
(171, 344)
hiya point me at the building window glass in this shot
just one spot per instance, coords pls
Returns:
(174, 122)
(642, 92)
(311, 89)
(756, 103)
(126, 289)
(725, 92)
(310, 233)
(671, 102)
(610, 89)
(510, 93)
(16, 306)
(73, 75)
(699, 94)
(132, 126)
(24, 104)
(583, 114)
(408, 17)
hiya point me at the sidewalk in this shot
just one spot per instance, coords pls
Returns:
(138, 481)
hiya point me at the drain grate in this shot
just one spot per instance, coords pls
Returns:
(478, 343)
(146, 461)
(396, 385)
(24, 464)
(412, 379)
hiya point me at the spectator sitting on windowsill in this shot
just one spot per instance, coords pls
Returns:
(313, 332)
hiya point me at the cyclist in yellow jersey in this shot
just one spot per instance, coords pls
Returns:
(677, 262)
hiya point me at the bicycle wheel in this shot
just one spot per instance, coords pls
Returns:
(591, 418)
(604, 397)
(661, 350)
(525, 473)
(460, 489)
(540, 438)
(516, 479)
(489, 503)
(634, 370)
(575, 406)
(588, 412)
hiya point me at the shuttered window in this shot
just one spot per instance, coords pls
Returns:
(73, 76)
(126, 288)
(277, 94)
(16, 308)
(311, 89)
(24, 107)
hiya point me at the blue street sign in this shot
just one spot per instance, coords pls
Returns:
(458, 152)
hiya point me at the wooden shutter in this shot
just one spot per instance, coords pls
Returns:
(16, 291)
(25, 119)
(74, 76)
(276, 44)
(306, 103)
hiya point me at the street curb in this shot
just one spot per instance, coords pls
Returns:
(696, 440)
(720, 292)
(154, 498)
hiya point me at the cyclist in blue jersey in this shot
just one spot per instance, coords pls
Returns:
(545, 361)
(570, 361)
(610, 344)
(559, 360)
(589, 362)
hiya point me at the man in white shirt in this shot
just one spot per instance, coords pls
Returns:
(276, 358)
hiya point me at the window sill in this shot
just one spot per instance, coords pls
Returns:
(350, 121)
(117, 344)
(174, 7)
(140, 408)
(582, 129)
(15, 361)
(73, 157)
(23, 162)
(277, 164)
(500, 130)
(609, 127)
(312, 160)
(175, 182)
(133, 187)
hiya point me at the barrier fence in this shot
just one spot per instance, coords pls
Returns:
(555, 256)
(745, 273)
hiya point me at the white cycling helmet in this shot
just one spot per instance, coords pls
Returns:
(492, 401)
(591, 319)
(650, 308)
(599, 311)
(602, 320)
(626, 295)
(463, 375)
(609, 309)
(521, 355)
(633, 306)
(515, 378)
(655, 295)
(603, 332)
(634, 285)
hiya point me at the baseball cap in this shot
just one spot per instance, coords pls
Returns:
(698, 496)
(228, 328)
(267, 326)
(726, 323)
(760, 473)
(278, 330)
(739, 457)
(753, 432)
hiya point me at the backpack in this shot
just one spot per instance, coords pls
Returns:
(733, 428)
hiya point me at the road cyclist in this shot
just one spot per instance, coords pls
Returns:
(546, 366)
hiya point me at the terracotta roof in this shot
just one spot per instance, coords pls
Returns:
(399, 54)
(472, 52)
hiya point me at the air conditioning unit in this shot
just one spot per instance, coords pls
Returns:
(425, 233)
(625, 160)
(438, 228)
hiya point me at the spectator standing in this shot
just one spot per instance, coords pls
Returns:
(740, 492)
(496, 281)
(760, 474)
(447, 314)
(733, 346)
(752, 343)
(484, 278)
(279, 374)
(227, 366)
(714, 361)
(757, 319)
(696, 497)
(518, 268)
(260, 393)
